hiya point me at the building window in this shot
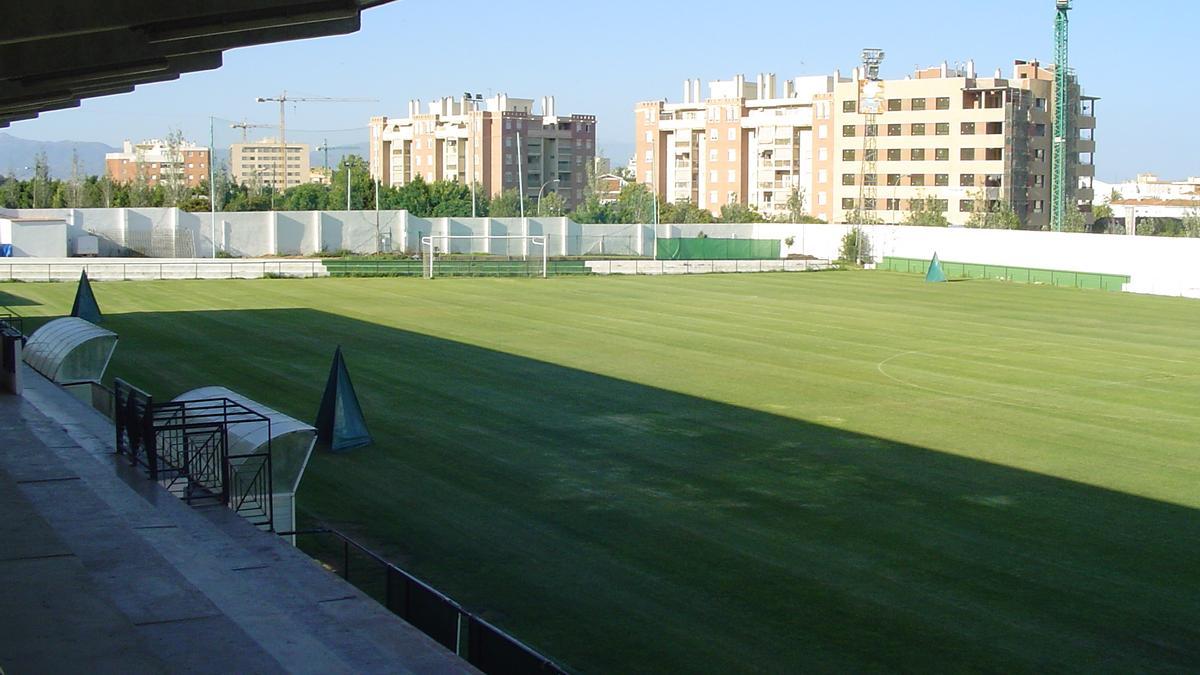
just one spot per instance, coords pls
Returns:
(872, 129)
(848, 130)
(731, 155)
(893, 105)
(822, 131)
(994, 128)
(917, 180)
(966, 180)
(871, 155)
(871, 179)
(731, 176)
(943, 103)
(941, 179)
(822, 198)
(1039, 154)
(649, 136)
(847, 179)
(994, 154)
(918, 129)
(507, 159)
(917, 155)
(893, 154)
(1039, 130)
(917, 104)
(942, 129)
(893, 179)
(714, 134)
(848, 203)
(941, 154)
(869, 204)
(893, 204)
(712, 197)
(1039, 206)
(822, 176)
(966, 154)
(731, 134)
(1039, 180)
(649, 155)
(1040, 104)
(823, 154)
(712, 155)
(848, 106)
(847, 155)
(649, 177)
(893, 130)
(967, 129)
(993, 180)
(712, 176)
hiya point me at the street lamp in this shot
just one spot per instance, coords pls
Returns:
(539, 197)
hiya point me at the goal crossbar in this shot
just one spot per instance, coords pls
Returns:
(427, 244)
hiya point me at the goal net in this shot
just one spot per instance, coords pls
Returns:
(510, 254)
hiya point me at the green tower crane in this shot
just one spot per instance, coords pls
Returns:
(1059, 193)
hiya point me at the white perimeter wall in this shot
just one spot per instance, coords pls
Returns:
(1159, 265)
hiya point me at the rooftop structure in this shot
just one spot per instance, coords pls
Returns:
(159, 162)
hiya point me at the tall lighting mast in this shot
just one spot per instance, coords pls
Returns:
(1059, 192)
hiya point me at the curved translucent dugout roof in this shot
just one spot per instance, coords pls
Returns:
(291, 440)
(70, 350)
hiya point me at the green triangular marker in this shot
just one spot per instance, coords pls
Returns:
(85, 306)
(935, 272)
(340, 423)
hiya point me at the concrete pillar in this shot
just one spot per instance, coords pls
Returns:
(564, 229)
(273, 232)
(123, 219)
(402, 234)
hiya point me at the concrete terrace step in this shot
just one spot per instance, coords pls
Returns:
(160, 585)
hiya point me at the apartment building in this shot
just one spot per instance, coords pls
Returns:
(261, 164)
(157, 161)
(947, 134)
(499, 143)
(854, 147)
(744, 144)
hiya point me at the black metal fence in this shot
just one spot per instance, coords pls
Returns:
(478, 642)
(184, 445)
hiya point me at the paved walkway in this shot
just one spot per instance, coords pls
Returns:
(103, 571)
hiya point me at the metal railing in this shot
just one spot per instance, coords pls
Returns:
(184, 446)
(481, 644)
(157, 270)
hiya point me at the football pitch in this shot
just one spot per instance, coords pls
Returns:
(837, 471)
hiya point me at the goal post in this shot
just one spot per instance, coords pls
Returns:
(430, 261)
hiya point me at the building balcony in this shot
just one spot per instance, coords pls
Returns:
(1085, 171)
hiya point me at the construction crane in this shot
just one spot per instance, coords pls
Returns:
(244, 125)
(325, 147)
(1059, 192)
(870, 104)
(283, 99)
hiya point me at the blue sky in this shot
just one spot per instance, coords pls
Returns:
(601, 58)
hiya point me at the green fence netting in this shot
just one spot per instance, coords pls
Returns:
(709, 248)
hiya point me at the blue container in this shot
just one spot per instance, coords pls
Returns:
(5, 250)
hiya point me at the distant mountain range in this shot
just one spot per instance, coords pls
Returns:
(17, 156)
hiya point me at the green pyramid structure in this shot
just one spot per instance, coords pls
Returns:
(85, 306)
(935, 273)
(340, 423)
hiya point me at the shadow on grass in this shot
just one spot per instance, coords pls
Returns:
(620, 527)
(10, 300)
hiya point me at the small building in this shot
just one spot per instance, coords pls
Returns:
(158, 162)
(33, 237)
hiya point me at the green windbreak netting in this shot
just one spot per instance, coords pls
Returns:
(709, 248)
(340, 421)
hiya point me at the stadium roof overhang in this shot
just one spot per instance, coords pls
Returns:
(55, 53)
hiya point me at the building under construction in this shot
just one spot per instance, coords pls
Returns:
(865, 148)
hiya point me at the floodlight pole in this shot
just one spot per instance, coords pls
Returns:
(212, 187)
(347, 185)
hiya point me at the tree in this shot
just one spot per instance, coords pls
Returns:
(795, 205)
(552, 205)
(927, 212)
(1075, 221)
(40, 183)
(992, 214)
(590, 210)
(857, 216)
(508, 205)
(740, 213)
(856, 247)
(174, 180)
(362, 186)
(635, 204)
(683, 212)
(1191, 223)
(449, 198)
(305, 197)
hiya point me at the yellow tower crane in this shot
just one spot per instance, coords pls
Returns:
(283, 99)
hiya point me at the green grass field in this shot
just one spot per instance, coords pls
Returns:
(844, 471)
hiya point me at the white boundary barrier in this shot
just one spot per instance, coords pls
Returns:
(131, 269)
